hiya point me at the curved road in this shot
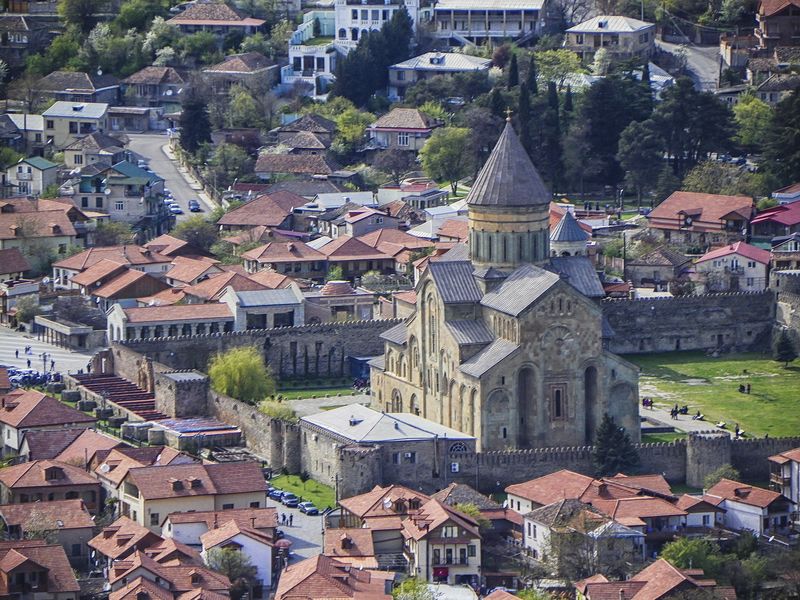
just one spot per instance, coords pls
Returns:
(702, 62)
(176, 179)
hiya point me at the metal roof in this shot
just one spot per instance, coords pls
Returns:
(509, 178)
(82, 110)
(397, 334)
(579, 272)
(276, 297)
(568, 230)
(484, 5)
(455, 282)
(610, 24)
(458, 253)
(444, 61)
(521, 289)
(487, 358)
(470, 332)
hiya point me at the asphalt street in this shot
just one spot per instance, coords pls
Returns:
(154, 148)
(11, 341)
(701, 61)
(305, 532)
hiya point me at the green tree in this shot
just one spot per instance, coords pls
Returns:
(445, 156)
(666, 184)
(139, 14)
(613, 450)
(241, 373)
(199, 47)
(242, 107)
(782, 144)
(8, 157)
(513, 72)
(230, 162)
(640, 153)
(693, 553)
(195, 123)
(533, 76)
(27, 308)
(279, 37)
(199, 232)
(350, 127)
(80, 13)
(255, 43)
(724, 472)
(335, 273)
(236, 566)
(112, 233)
(556, 65)
(713, 177)
(277, 410)
(497, 104)
(395, 163)
(524, 117)
(413, 589)
(434, 110)
(784, 350)
(534, 594)
(753, 118)
(471, 510)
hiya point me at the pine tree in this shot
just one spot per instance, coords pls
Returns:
(533, 84)
(613, 450)
(784, 349)
(513, 72)
(497, 104)
(195, 124)
(568, 101)
(524, 117)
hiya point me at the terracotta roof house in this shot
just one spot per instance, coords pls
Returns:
(380, 502)
(701, 515)
(351, 546)
(320, 127)
(324, 578)
(655, 582)
(47, 443)
(781, 220)
(76, 86)
(42, 480)
(271, 279)
(215, 17)
(168, 245)
(526, 496)
(774, 19)
(13, 264)
(190, 271)
(305, 142)
(135, 257)
(188, 527)
(67, 522)
(179, 578)
(355, 257)
(307, 165)
(212, 288)
(737, 267)
(764, 512)
(270, 210)
(168, 320)
(503, 520)
(154, 86)
(108, 282)
(31, 410)
(657, 268)
(397, 244)
(114, 466)
(402, 129)
(121, 539)
(87, 448)
(52, 228)
(241, 69)
(149, 494)
(35, 569)
(695, 219)
(295, 259)
(251, 542)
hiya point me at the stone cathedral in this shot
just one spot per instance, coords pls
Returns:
(506, 343)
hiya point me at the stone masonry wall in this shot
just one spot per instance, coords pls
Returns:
(732, 321)
(291, 352)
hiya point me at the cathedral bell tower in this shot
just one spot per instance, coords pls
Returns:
(509, 210)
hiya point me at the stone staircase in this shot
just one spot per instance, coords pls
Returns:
(123, 393)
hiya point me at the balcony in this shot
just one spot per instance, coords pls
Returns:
(24, 176)
(779, 479)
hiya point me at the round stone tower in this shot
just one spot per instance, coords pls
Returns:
(509, 209)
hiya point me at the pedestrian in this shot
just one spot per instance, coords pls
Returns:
(52, 365)
(291, 520)
(748, 388)
(16, 352)
(89, 367)
(29, 363)
(283, 518)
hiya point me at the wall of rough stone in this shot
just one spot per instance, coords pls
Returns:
(291, 352)
(750, 456)
(737, 321)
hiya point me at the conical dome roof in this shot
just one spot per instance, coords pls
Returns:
(568, 230)
(508, 178)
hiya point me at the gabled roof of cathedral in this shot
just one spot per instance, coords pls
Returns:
(455, 282)
(579, 272)
(397, 334)
(467, 332)
(487, 358)
(508, 178)
(568, 230)
(521, 289)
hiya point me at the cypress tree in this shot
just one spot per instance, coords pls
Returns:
(568, 100)
(613, 450)
(195, 123)
(513, 72)
(533, 84)
(784, 349)
(497, 104)
(524, 116)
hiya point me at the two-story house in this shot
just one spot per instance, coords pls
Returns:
(36, 570)
(66, 122)
(362, 221)
(325, 578)
(31, 176)
(401, 129)
(119, 540)
(21, 36)
(46, 480)
(432, 64)
(249, 69)
(443, 545)
(784, 477)
(189, 527)
(490, 22)
(624, 38)
(215, 17)
(736, 267)
(75, 86)
(149, 494)
(154, 86)
(135, 257)
(94, 148)
(777, 23)
(291, 258)
(22, 411)
(750, 508)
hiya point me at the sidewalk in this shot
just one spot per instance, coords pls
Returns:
(190, 180)
(683, 423)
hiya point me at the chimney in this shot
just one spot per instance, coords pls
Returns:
(253, 522)
(622, 595)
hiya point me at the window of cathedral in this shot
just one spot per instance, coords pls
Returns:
(458, 447)
(558, 402)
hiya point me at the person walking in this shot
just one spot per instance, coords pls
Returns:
(16, 352)
(52, 365)
(291, 520)
(29, 363)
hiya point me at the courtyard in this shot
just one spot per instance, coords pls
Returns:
(711, 385)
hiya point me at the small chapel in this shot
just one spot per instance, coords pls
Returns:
(507, 342)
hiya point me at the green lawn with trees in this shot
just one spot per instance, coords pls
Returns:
(711, 385)
(323, 496)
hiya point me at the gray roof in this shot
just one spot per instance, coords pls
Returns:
(460, 493)
(268, 297)
(610, 24)
(468, 332)
(487, 358)
(521, 289)
(379, 362)
(568, 230)
(661, 256)
(83, 110)
(187, 376)
(445, 62)
(508, 178)
(580, 273)
(397, 334)
(455, 282)
(458, 252)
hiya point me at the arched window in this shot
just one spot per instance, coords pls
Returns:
(342, 34)
(458, 447)
(557, 407)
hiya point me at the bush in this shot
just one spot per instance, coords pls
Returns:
(724, 472)
(277, 410)
(241, 373)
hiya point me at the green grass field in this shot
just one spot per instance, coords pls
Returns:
(711, 385)
(321, 495)
(315, 393)
(654, 438)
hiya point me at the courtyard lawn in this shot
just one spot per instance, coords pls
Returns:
(315, 393)
(656, 438)
(711, 385)
(321, 495)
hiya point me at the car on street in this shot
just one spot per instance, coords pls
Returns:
(175, 209)
(276, 494)
(289, 500)
(308, 508)
(194, 206)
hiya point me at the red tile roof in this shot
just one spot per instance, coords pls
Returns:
(122, 537)
(350, 248)
(371, 504)
(695, 504)
(88, 443)
(271, 279)
(30, 408)
(180, 577)
(42, 224)
(125, 254)
(60, 578)
(140, 588)
(353, 546)
(228, 531)
(186, 270)
(706, 211)
(212, 288)
(249, 62)
(55, 515)
(325, 578)
(783, 214)
(175, 481)
(32, 475)
(783, 457)
(560, 485)
(404, 118)
(123, 286)
(432, 515)
(49, 443)
(12, 261)
(297, 164)
(638, 507)
(768, 8)
(167, 245)
(164, 298)
(740, 249)
(269, 210)
(735, 491)
(99, 272)
(284, 252)
(256, 518)
(177, 313)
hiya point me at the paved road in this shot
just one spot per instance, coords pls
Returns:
(176, 179)
(702, 62)
(305, 532)
(66, 360)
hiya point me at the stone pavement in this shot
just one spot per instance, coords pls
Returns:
(685, 423)
(66, 360)
(311, 406)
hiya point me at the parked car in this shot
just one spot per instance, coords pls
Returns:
(175, 209)
(275, 494)
(308, 508)
(289, 500)
(194, 206)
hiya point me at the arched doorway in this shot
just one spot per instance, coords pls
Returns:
(396, 404)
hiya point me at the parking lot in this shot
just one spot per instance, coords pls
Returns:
(305, 532)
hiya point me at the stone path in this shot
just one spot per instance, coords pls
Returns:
(311, 406)
(684, 423)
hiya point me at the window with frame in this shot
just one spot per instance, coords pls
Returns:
(154, 519)
(84, 202)
(558, 402)
(450, 531)
(579, 38)
(472, 550)
(73, 127)
(402, 138)
(50, 124)
(98, 202)
(119, 205)
(354, 14)
(77, 159)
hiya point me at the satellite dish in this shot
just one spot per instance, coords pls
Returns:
(387, 503)
(46, 280)
(107, 192)
(104, 468)
(168, 92)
